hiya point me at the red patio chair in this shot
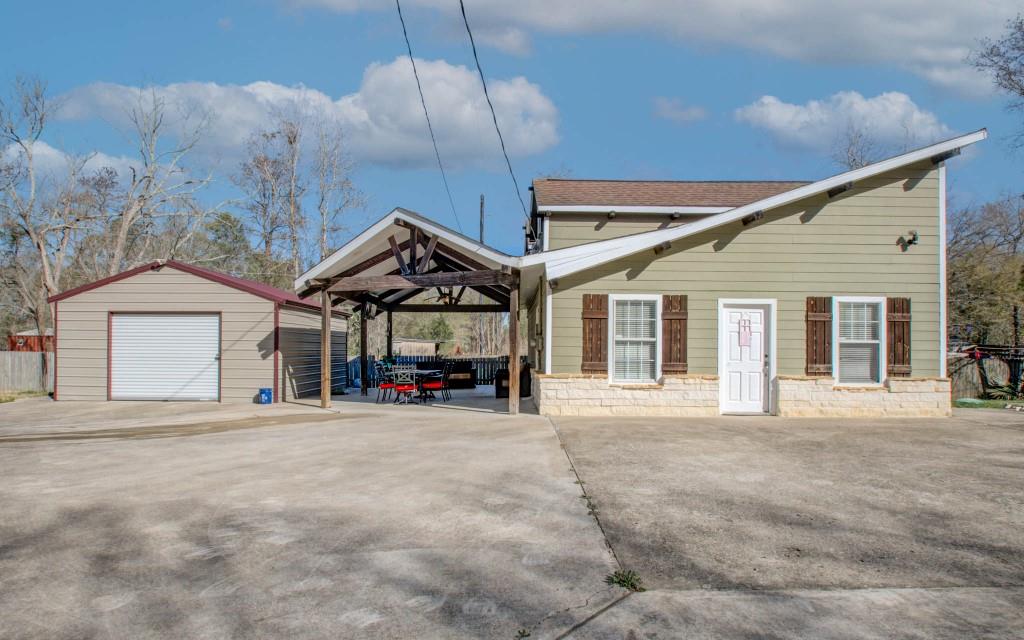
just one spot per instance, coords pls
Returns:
(441, 383)
(405, 386)
(385, 383)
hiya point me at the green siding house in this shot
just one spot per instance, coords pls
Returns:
(822, 298)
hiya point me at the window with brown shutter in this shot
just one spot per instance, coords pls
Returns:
(595, 333)
(673, 334)
(898, 336)
(819, 336)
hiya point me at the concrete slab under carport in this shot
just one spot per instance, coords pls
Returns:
(371, 522)
(747, 527)
(480, 399)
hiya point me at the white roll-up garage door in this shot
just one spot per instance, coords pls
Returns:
(171, 356)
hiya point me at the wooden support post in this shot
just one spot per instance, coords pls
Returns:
(325, 350)
(513, 350)
(412, 248)
(364, 369)
(391, 336)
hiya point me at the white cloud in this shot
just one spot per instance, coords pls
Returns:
(54, 163)
(675, 110)
(508, 39)
(927, 37)
(891, 119)
(383, 119)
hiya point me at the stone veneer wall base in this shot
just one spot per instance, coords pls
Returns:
(800, 396)
(587, 395)
(696, 395)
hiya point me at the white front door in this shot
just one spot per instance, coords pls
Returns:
(743, 359)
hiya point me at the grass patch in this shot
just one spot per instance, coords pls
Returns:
(973, 403)
(627, 579)
(11, 396)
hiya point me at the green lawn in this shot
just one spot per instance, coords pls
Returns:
(971, 403)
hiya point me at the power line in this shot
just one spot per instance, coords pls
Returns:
(494, 117)
(430, 127)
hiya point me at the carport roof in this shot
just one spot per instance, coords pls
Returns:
(259, 289)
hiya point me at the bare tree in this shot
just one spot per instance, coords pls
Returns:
(158, 188)
(261, 179)
(42, 214)
(855, 148)
(335, 191)
(1004, 60)
(986, 270)
(291, 134)
(273, 185)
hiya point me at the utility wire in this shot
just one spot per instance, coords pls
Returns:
(430, 127)
(487, 95)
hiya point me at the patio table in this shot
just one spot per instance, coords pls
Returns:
(418, 375)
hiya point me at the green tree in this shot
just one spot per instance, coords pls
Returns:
(439, 329)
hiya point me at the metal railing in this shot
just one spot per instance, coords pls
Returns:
(486, 366)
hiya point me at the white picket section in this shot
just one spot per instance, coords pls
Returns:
(23, 371)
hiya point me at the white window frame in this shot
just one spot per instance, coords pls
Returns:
(612, 299)
(882, 339)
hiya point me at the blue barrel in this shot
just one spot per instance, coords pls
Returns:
(266, 395)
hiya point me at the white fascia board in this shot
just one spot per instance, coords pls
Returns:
(329, 265)
(605, 208)
(325, 265)
(563, 262)
(471, 246)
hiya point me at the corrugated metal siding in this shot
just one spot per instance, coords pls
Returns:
(817, 247)
(247, 359)
(300, 353)
(164, 356)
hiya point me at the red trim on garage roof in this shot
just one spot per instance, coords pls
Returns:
(280, 296)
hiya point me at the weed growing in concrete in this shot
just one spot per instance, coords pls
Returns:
(625, 578)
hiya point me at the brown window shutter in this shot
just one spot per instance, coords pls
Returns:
(819, 336)
(673, 334)
(897, 331)
(595, 333)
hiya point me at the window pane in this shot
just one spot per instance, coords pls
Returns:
(634, 360)
(858, 362)
(858, 321)
(636, 332)
(635, 319)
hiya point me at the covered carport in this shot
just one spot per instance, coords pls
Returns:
(402, 255)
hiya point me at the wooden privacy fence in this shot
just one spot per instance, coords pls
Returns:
(23, 371)
(486, 366)
(966, 379)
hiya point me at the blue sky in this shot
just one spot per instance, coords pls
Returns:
(653, 89)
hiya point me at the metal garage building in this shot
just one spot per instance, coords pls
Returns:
(175, 331)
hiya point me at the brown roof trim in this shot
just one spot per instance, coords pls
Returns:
(267, 292)
(104, 281)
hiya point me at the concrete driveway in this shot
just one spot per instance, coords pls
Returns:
(152, 520)
(156, 520)
(773, 528)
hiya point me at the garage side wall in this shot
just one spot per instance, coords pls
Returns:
(300, 353)
(247, 330)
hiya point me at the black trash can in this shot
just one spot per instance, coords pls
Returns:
(501, 382)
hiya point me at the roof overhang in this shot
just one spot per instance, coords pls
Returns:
(563, 262)
(404, 254)
(608, 208)
(375, 240)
